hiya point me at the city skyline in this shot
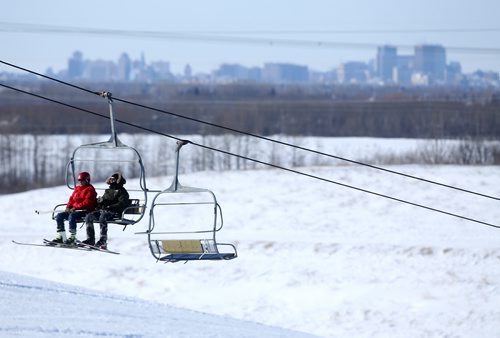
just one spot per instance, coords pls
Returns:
(320, 34)
(427, 65)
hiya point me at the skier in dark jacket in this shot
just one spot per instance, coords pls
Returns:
(82, 200)
(110, 205)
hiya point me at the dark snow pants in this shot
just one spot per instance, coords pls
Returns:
(103, 216)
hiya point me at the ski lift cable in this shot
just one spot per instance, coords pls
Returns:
(261, 162)
(260, 136)
(235, 37)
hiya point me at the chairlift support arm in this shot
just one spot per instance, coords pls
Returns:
(109, 96)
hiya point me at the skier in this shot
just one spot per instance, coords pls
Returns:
(82, 201)
(110, 205)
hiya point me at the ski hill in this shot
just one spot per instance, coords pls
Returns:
(32, 307)
(313, 257)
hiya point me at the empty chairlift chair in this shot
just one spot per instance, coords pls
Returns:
(184, 222)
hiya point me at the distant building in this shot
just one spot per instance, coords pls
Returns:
(484, 78)
(124, 67)
(255, 74)
(403, 71)
(453, 73)
(284, 72)
(160, 70)
(100, 70)
(387, 61)
(236, 72)
(188, 71)
(430, 62)
(352, 72)
(76, 66)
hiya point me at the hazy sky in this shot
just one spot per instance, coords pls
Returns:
(199, 26)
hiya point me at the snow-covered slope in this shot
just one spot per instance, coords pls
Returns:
(33, 307)
(313, 257)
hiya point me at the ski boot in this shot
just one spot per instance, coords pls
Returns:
(102, 244)
(71, 240)
(89, 241)
(60, 238)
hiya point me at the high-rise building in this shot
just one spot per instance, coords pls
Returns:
(188, 71)
(124, 67)
(76, 66)
(454, 73)
(430, 61)
(387, 59)
(404, 69)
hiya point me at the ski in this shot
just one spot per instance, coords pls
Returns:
(62, 245)
(53, 245)
(92, 247)
(80, 246)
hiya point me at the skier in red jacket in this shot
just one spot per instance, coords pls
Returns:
(82, 201)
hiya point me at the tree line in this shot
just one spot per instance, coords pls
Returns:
(36, 161)
(263, 109)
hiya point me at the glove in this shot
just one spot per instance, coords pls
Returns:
(67, 209)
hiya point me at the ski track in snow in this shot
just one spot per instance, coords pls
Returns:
(313, 257)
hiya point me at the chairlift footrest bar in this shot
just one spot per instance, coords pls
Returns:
(197, 256)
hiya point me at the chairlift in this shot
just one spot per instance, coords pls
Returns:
(101, 160)
(190, 220)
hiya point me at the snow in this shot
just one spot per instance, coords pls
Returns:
(38, 308)
(314, 257)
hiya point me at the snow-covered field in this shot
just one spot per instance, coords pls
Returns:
(313, 256)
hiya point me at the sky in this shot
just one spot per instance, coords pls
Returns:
(189, 32)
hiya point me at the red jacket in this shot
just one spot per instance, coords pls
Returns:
(83, 197)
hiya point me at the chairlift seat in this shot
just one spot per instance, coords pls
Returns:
(174, 250)
(135, 208)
